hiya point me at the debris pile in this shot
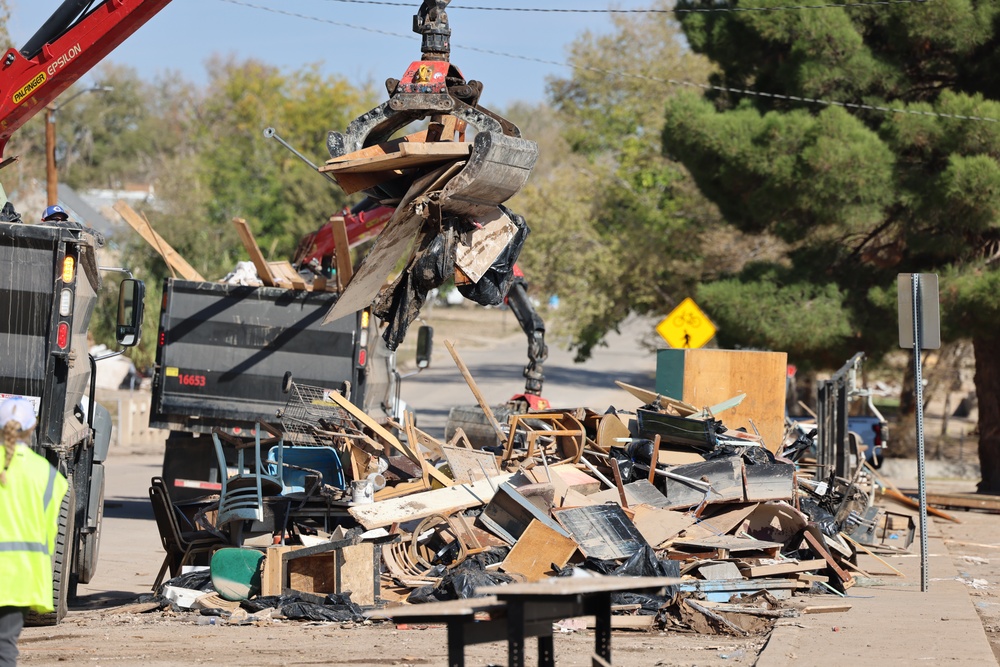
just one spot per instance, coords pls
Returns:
(665, 491)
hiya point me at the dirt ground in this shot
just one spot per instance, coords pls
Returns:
(114, 635)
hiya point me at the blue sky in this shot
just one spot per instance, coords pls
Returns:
(186, 32)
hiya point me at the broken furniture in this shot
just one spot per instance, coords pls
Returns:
(181, 545)
(341, 566)
(243, 493)
(517, 611)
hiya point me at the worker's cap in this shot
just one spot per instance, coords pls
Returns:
(20, 410)
(55, 213)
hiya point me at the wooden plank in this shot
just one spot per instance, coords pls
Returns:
(283, 271)
(409, 155)
(469, 465)
(465, 607)
(826, 608)
(342, 248)
(475, 390)
(253, 250)
(602, 531)
(478, 249)
(819, 548)
(777, 569)
(538, 551)
(173, 259)
(619, 622)
(422, 505)
(728, 543)
(720, 520)
(383, 148)
(647, 397)
(358, 574)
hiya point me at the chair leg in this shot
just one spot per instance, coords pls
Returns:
(163, 570)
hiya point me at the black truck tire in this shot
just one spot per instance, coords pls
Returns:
(472, 420)
(90, 544)
(62, 563)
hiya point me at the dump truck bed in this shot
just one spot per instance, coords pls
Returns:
(224, 349)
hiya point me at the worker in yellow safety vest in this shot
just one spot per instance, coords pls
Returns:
(31, 493)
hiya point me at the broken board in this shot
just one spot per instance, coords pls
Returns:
(478, 249)
(424, 504)
(537, 551)
(658, 525)
(469, 465)
(602, 531)
(640, 492)
(409, 154)
(391, 245)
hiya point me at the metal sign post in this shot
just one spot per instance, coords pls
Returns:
(919, 329)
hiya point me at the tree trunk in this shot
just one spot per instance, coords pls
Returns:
(988, 393)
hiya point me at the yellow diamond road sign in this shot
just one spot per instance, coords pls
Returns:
(686, 326)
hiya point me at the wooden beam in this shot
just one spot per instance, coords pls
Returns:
(174, 261)
(256, 256)
(342, 248)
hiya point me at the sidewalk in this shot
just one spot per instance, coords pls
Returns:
(890, 624)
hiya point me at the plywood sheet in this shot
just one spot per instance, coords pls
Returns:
(539, 549)
(658, 525)
(714, 376)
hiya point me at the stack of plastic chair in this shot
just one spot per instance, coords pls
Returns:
(242, 496)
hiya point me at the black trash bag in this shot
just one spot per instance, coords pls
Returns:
(626, 467)
(753, 455)
(268, 602)
(644, 563)
(198, 580)
(422, 595)
(8, 214)
(491, 289)
(461, 582)
(823, 518)
(310, 611)
(640, 450)
(342, 602)
(399, 305)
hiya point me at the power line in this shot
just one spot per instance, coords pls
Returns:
(642, 77)
(673, 10)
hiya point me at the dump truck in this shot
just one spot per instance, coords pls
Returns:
(49, 282)
(225, 354)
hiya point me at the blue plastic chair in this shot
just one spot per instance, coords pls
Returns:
(292, 464)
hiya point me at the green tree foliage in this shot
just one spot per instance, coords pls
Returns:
(859, 194)
(616, 225)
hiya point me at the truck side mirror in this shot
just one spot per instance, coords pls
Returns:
(425, 342)
(131, 299)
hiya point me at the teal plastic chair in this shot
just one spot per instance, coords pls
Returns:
(242, 495)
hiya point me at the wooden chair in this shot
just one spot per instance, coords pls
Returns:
(181, 545)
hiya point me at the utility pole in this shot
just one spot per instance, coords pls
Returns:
(51, 173)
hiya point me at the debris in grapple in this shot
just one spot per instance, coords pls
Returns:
(447, 191)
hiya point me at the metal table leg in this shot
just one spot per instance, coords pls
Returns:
(515, 633)
(456, 644)
(602, 633)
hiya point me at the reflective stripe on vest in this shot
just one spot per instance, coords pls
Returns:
(49, 488)
(31, 547)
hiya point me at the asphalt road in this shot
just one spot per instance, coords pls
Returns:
(497, 372)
